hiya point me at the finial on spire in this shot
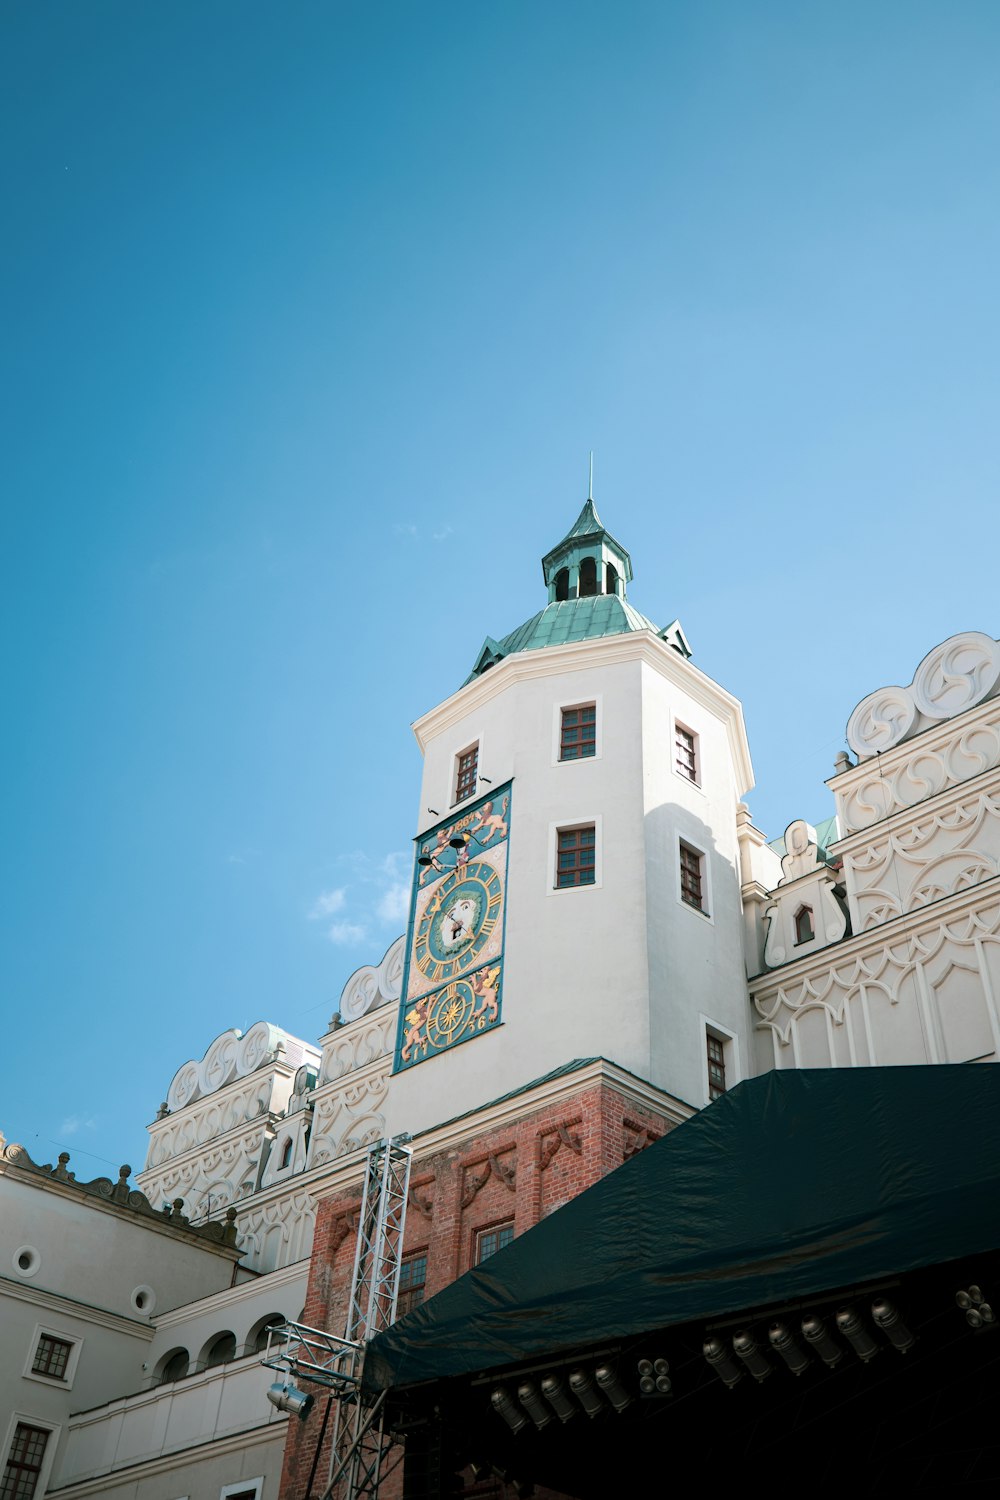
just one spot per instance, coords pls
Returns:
(590, 483)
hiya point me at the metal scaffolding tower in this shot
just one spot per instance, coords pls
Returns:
(359, 1442)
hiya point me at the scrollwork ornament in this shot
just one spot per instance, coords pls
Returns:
(956, 675)
(881, 720)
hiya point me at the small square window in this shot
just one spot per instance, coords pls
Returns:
(685, 753)
(51, 1357)
(24, 1462)
(575, 851)
(412, 1281)
(466, 773)
(578, 732)
(716, 1049)
(489, 1241)
(692, 877)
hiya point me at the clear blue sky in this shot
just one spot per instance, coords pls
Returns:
(311, 314)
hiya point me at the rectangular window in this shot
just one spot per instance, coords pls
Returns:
(716, 1066)
(692, 877)
(685, 753)
(466, 772)
(575, 856)
(489, 1241)
(51, 1357)
(412, 1280)
(578, 732)
(24, 1463)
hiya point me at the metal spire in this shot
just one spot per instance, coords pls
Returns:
(590, 484)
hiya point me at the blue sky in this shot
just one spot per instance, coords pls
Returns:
(311, 315)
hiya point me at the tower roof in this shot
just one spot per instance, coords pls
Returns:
(585, 575)
(587, 531)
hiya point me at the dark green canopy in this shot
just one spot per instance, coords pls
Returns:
(793, 1184)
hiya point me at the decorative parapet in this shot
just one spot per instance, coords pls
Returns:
(901, 779)
(374, 985)
(957, 675)
(233, 1055)
(120, 1194)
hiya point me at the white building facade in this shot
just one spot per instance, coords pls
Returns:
(589, 893)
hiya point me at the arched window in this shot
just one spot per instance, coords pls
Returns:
(588, 578)
(221, 1350)
(173, 1367)
(562, 584)
(286, 1153)
(258, 1340)
(804, 925)
(610, 579)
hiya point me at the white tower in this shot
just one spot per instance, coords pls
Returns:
(581, 895)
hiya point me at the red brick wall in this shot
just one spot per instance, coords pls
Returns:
(520, 1172)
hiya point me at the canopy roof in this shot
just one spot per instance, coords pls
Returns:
(791, 1185)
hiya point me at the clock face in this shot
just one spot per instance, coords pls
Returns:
(458, 921)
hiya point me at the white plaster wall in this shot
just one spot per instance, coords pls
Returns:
(96, 1253)
(574, 966)
(220, 1403)
(578, 962)
(696, 962)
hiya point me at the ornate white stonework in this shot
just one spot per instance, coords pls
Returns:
(233, 1055)
(805, 890)
(928, 993)
(374, 985)
(912, 861)
(945, 756)
(954, 677)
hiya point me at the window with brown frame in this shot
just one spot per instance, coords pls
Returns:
(692, 877)
(489, 1241)
(685, 753)
(716, 1066)
(575, 851)
(51, 1357)
(578, 732)
(466, 772)
(24, 1462)
(412, 1281)
(804, 930)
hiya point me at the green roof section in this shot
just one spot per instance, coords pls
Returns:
(592, 568)
(587, 532)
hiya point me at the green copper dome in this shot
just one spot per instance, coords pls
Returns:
(585, 574)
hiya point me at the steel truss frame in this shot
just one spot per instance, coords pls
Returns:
(359, 1442)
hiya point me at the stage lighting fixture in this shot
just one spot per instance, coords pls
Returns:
(555, 1392)
(722, 1361)
(289, 1398)
(527, 1394)
(785, 1343)
(586, 1393)
(504, 1403)
(607, 1378)
(888, 1319)
(815, 1331)
(746, 1346)
(852, 1327)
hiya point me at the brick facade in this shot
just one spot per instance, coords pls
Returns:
(515, 1172)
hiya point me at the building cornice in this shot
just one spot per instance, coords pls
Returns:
(54, 1302)
(508, 1111)
(929, 741)
(117, 1199)
(641, 645)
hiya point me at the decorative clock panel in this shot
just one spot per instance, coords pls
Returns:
(454, 964)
